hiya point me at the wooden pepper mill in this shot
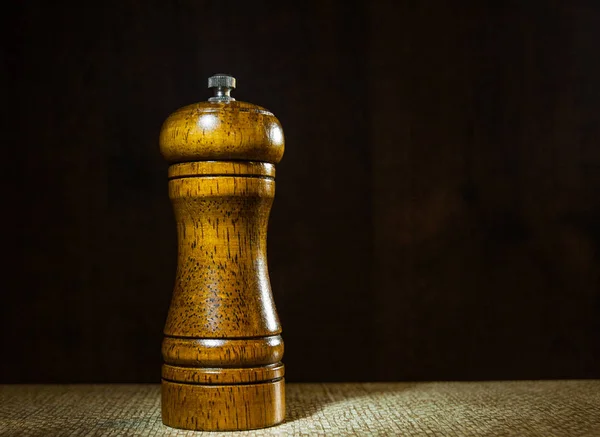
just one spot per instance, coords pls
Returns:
(222, 348)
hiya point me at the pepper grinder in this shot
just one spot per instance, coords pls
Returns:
(222, 346)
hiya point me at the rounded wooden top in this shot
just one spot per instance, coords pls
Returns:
(222, 131)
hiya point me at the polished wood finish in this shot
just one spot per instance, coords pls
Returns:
(223, 407)
(222, 131)
(210, 375)
(222, 349)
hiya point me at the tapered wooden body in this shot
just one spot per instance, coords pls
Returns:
(222, 348)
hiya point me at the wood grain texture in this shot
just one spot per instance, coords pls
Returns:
(222, 349)
(218, 352)
(220, 168)
(483, 409)
(215, 375)
(223, 407)
(222, 131)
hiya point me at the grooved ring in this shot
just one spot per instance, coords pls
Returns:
(211, 375)
(222, 352)
(221, 168)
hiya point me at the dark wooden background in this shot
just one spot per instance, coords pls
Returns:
(438, 207)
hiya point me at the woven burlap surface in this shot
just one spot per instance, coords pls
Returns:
(516, 408)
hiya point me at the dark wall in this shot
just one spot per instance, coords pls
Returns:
(438, 206)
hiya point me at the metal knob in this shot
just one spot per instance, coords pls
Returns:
(221, 84)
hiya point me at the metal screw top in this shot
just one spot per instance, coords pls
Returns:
(222, 84)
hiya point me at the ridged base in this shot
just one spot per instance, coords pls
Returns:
(223, 407)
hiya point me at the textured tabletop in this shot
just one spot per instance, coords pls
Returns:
(516, 408)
